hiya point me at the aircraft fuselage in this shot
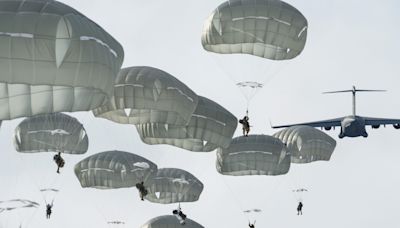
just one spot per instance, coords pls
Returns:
(353, 126)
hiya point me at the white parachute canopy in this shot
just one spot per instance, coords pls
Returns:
(210, 126)
(300, 194)
(270, 29)
(55, 132)
(54, 59)
(115, 224)
(17, 212)
(253, 214)
(147, 95)
(172, 185)
(244, 30)
(49, 194)
(249, 88)
(170, 221)
(307, 144)
(255, 210)
(16, 204)
(253, 155)
(114, 169)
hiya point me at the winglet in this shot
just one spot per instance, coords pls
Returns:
(270, 123)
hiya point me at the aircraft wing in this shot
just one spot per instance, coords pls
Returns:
(380, 121)
(322, 123)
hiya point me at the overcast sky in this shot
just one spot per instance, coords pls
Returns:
(350, 42)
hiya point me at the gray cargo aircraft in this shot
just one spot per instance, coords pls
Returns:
(353, 125)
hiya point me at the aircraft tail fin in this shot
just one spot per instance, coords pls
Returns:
(354, 91)
(339, 91)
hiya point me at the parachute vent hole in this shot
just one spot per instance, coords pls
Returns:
(127, 111)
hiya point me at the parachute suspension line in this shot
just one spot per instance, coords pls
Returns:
(36, 184)
(14, 187)
(275, 73)
(100, 212)
(277, 183)
(254, 222)
(27, 221)
(32, 179)
(58, 151)
(257, 86)
(247, 97)
(249, 89)
(94, 205)
(297, 183)
(30, 219)
(53, 196)
(237, 202)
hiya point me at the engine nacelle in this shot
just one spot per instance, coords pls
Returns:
(375, 126)
(396, 126)
(327, 128)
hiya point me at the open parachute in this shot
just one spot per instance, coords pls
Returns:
(56, 60)
(170, 221)
(210, 126)
(49, 195)
(17, 212)
(55, 132)
(115, 224)
(172, 185)
(114, 169)
(166, 111)
(15, 204)
(300, 194)
(253, 155)
(255, 210)
(270, 29)
(149, 96)
(244, 30)
(307, 144)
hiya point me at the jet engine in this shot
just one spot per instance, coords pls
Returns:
(396, 126)
(327, 128)
(376, 126)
